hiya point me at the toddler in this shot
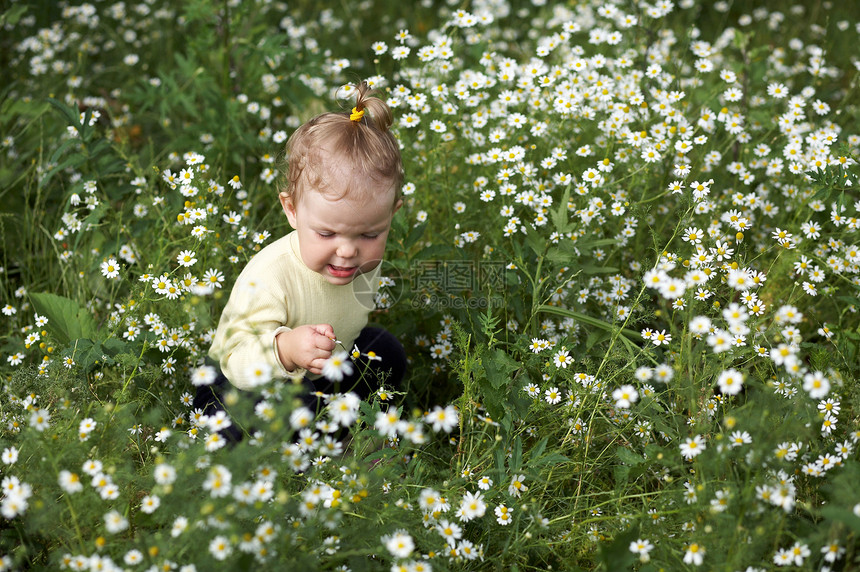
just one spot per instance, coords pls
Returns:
(309, 294)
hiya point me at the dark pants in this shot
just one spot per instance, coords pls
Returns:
(364, 380)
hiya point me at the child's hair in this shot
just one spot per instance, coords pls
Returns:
(338, 143)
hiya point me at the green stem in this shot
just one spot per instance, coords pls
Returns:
(75, 522)
(77, 526)
(136, 366)
(536, 287)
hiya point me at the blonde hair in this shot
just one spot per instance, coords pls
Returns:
(333, 144)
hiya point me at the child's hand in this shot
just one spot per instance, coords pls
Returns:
(307, 347)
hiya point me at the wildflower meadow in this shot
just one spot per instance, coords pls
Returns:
(626, 275)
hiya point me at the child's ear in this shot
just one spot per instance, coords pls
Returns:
(397, 206)
(289, 208)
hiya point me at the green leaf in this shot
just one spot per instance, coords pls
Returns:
(590, 321)
(659, 455)
(499, 366)
(595, 337)
(493, 400)
(517, 456)
(559, 215)
(71, 115)
(62, 149)
(113, 346)
(584, 243)
(539, 448)
(11, 16)
(66, 319)
(616, 555)
(72, 161)
(628, 457)
(518, 401)
(740, 40)
(535, 242)
(849, 300)
(415, 234)
(489, 322)
(550, 459)
(99, 147)
(842, 514)
(590, 269)
(621, 474)
(499, 457)
(565, 253)
(89, 354)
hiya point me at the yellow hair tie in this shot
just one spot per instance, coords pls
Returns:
(356, 115)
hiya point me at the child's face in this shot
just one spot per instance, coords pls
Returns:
(342, 237)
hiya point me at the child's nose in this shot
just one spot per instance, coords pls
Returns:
(347, 249)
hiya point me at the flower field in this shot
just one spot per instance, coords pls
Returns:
(626, 275)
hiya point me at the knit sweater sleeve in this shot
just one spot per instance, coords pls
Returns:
(244, 343)
(245, 339)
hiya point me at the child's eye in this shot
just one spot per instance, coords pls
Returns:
(325, 234)
(370, 236)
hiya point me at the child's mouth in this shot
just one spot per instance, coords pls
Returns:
(342, 271)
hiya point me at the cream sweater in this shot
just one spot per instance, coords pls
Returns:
(276, 292)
